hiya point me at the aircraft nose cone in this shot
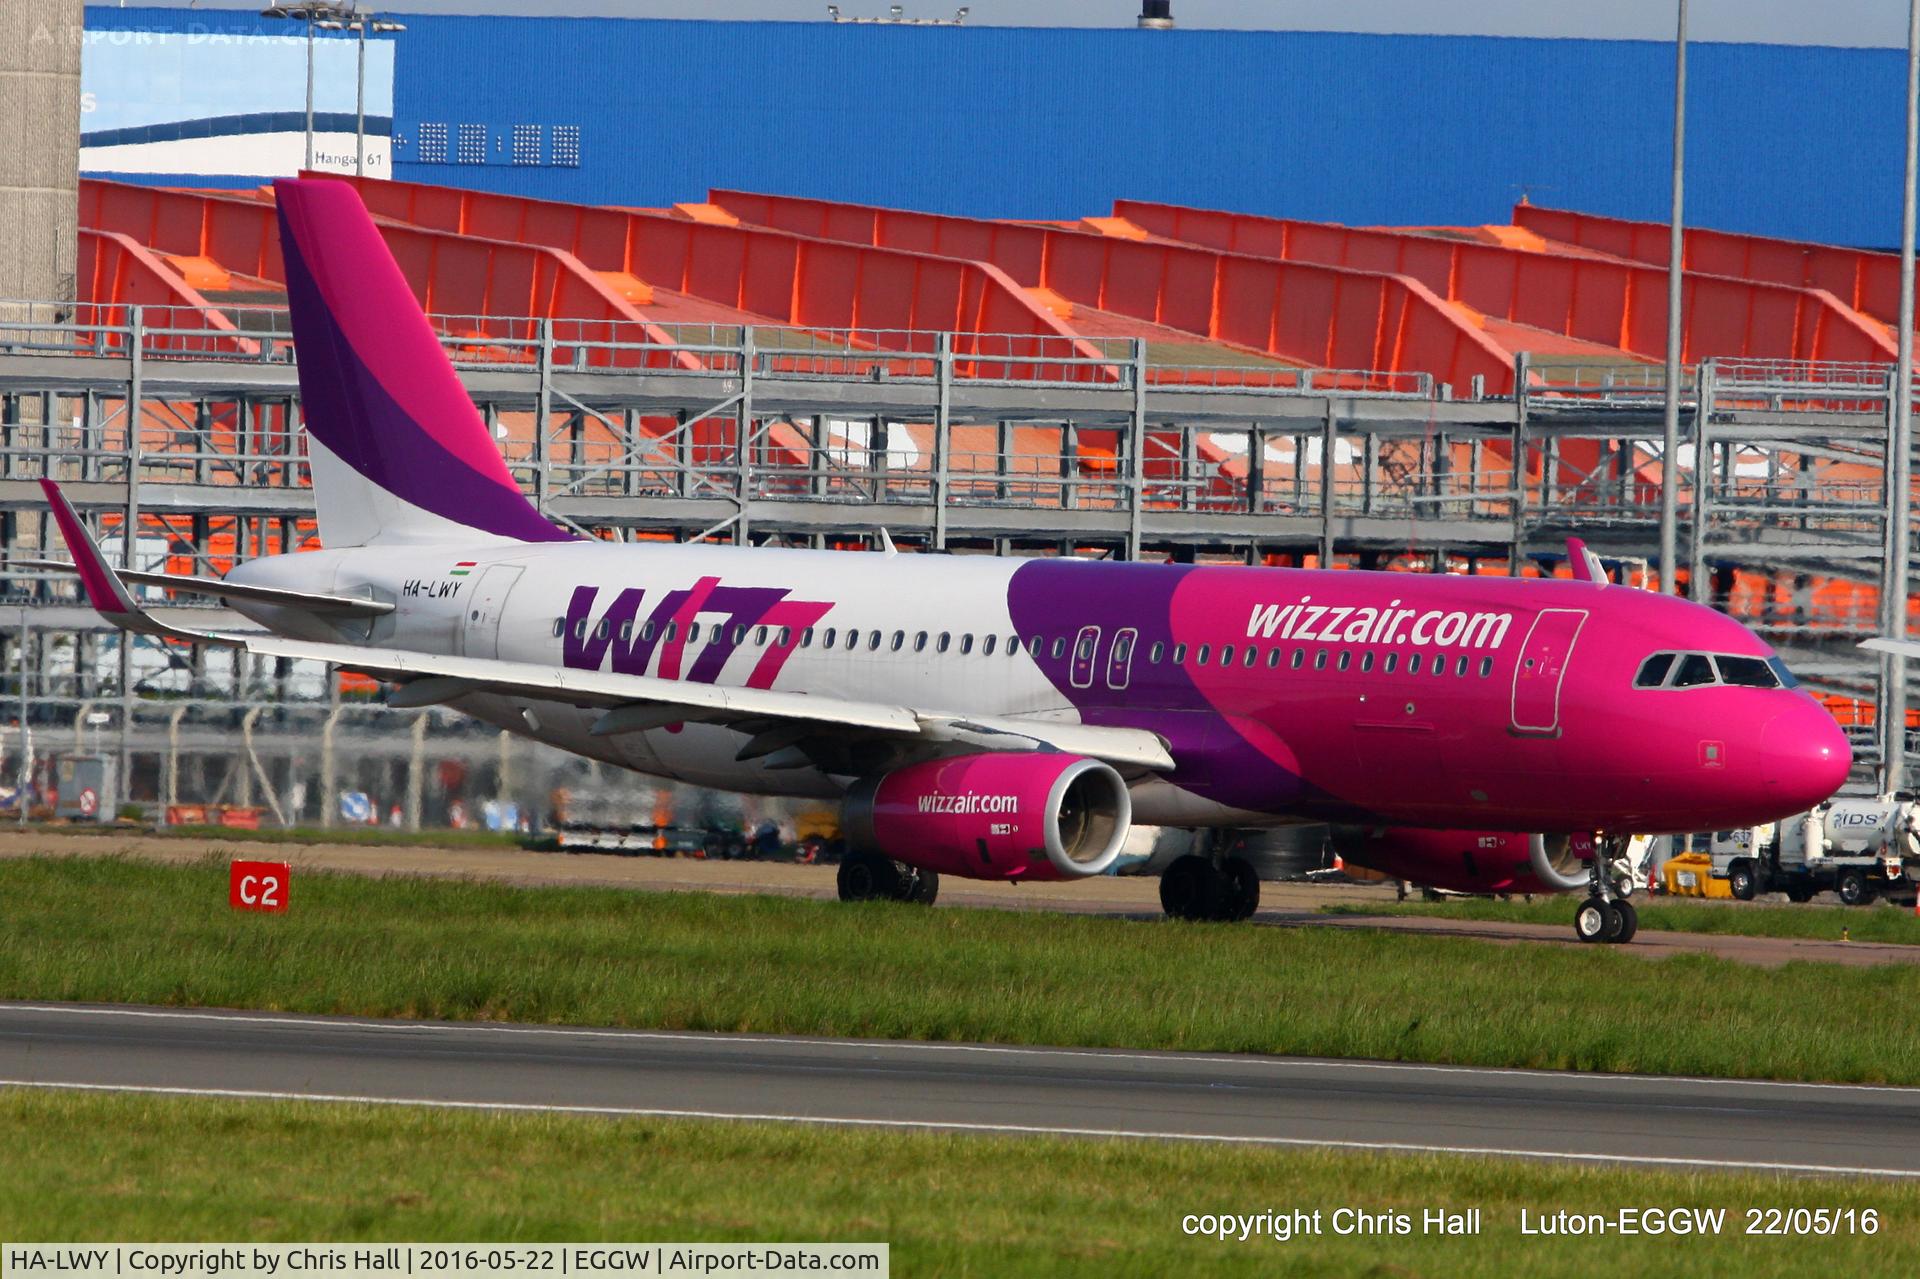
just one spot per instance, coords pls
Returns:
(1804, 755)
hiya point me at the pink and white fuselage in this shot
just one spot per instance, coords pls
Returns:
(1282, 695)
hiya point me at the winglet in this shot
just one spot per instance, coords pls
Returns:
(105, 592)
(1585, 564)
(104, 589)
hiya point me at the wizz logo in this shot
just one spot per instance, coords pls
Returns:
(618, 639)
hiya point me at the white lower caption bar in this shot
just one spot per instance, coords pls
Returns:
(436, 1260)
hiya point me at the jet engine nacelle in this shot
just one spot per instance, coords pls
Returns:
(1470, 861)
(1014, 815)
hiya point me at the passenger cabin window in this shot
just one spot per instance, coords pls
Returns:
(1320, 660)
(986, 645)
(1158, 651)
(1299, 656)
(966, 643)
(559, 627)
(940, 646)
(920, 642)
(1200, 658)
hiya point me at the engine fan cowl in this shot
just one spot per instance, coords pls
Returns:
(1012, 815)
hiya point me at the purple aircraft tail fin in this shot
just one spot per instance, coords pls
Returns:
(398, 451)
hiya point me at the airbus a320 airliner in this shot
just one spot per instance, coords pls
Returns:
(986, 717)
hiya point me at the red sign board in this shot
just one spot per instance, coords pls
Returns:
(258, 885)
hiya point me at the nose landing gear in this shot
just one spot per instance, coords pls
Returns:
(1606, 915)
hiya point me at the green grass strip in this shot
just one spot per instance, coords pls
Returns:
(100, 1167)
(117, 930)
(1811, 922)
(373, 836)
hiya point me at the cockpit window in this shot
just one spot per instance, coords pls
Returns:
(1746, 672)
(1653, 671)
(1695, 669)
(1699, 670)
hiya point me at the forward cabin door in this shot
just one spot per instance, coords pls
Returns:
(1541, 668)
(480, 631)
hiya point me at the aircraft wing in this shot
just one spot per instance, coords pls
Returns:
(1898, 647)
(631, 702)
(780, 720)
(308, 601)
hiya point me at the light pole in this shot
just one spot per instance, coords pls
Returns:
(1899, 478)
(360, 23)
(313, 13)
(1670, 433)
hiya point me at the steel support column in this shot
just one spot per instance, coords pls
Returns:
(1137, 449)
(1894, 585)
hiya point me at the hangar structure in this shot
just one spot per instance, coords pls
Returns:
(1147, 380)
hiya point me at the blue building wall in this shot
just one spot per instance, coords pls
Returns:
(1015, 122)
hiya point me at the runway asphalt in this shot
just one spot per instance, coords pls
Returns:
(1633, 1120)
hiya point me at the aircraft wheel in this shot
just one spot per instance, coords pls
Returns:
(1853, 888)
(1629, 923)
(1243, 888)
(926, 887)
(867, 876)
(1596, 921)
(1189, 889)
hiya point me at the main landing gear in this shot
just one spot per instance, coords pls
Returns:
(1606, 915)
(867, 876)
(1215, 886)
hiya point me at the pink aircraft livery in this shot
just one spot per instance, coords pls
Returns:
(986, 717)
